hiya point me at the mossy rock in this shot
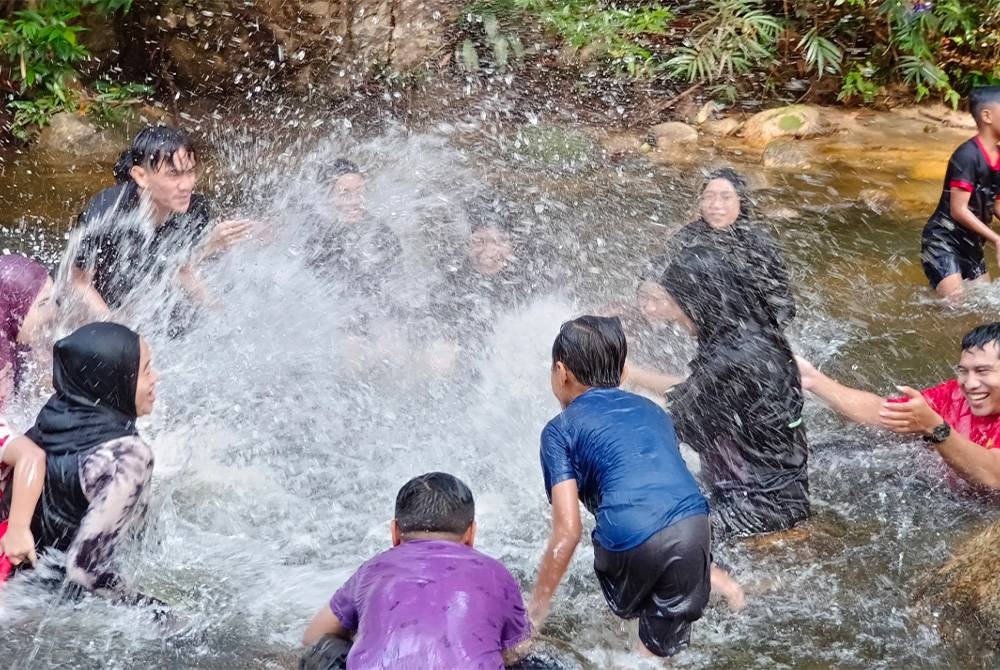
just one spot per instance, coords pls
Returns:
(794, 121)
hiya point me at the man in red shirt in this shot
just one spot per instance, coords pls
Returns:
(960, 418)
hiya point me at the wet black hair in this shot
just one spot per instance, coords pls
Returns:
(435, 502)
(980, 336)
(593, 348)
(980, 97)
(151, 148)
(337, 169)
(489, 211)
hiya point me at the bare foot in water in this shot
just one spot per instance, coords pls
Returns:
(728, 588)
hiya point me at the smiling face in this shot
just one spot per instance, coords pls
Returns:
(170, 184)
(348, 193)
(978, 373)
(490, 250)
(659, 307)
(145, 386)
(39, 316)
(720, 203)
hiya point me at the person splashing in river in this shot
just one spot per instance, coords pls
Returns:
(740, 408)
(118, 253)
(432, 601)
(959, 418)
(98, 467)
(726, 224)
(617, 453)
(953, 239)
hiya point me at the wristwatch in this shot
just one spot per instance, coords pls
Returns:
(939, 434)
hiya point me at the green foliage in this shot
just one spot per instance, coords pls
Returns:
(859, 85)
(621, 34)
(733, 38)
(935, 48)
(820, 53)
(498, 46)
(44, 51)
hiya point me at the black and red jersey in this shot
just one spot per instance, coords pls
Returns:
(971, 170)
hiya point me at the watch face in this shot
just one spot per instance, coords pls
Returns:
(941, 433)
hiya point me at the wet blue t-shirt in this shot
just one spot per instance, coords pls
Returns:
(622, 450)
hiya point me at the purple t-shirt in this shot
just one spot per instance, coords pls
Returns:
(431, 604)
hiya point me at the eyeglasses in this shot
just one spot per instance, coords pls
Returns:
(722, 197)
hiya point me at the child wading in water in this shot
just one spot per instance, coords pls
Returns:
(952, 243)
(432, 601)
(617, 453)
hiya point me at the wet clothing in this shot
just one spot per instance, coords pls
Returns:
(949, 402)
(431, 604)
(755, 254)
(21, 279)
(331, 653)
(124, 251)
(622, 451)
(740, 408)
(947, 247)
(665, 582)
(97, 467)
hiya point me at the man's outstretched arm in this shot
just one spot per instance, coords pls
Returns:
(859, 406)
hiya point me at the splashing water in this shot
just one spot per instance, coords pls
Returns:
(280, 443)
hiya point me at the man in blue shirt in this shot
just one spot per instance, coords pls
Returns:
(617, 453)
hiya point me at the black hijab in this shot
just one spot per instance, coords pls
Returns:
(94, 372)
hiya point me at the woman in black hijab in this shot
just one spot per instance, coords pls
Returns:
(740, 408)
(725, 224)
(98, 468)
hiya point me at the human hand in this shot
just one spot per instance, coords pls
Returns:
(18, 545)
(807, 372)
(227, 234)
(910, 416)
(538, 612)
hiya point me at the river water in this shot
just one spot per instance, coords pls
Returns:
(280, 447)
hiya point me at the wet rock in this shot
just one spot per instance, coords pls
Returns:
(676, 154)
(74, 137)
(786, 154)
(673, 133)
(726, 127)
(966, 589)
(877, 200)
(219, 45)
(622, 143)
(792, 121)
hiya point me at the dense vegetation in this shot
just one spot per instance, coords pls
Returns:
(42, 60)
(867, 48)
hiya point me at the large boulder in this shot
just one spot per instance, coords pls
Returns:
(219, 45)
(71, 136)
(965, 591)
(797, 121)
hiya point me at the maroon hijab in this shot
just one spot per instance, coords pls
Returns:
(20, 281)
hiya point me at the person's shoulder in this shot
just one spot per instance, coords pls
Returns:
(489, 565)
(967, 151)
(104, 201)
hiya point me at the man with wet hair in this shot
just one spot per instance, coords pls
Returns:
(959, 418)
(117, 253)
(953, 239)
(430, 601)
(617, 453)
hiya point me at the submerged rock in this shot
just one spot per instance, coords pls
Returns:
(618, 143)
(673, 133)
(70, 135)
(726, 127)
(792, 121)
(787, 154)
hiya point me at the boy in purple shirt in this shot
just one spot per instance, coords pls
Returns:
(432, 601)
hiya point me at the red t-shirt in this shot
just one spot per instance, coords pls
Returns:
(948, 400)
